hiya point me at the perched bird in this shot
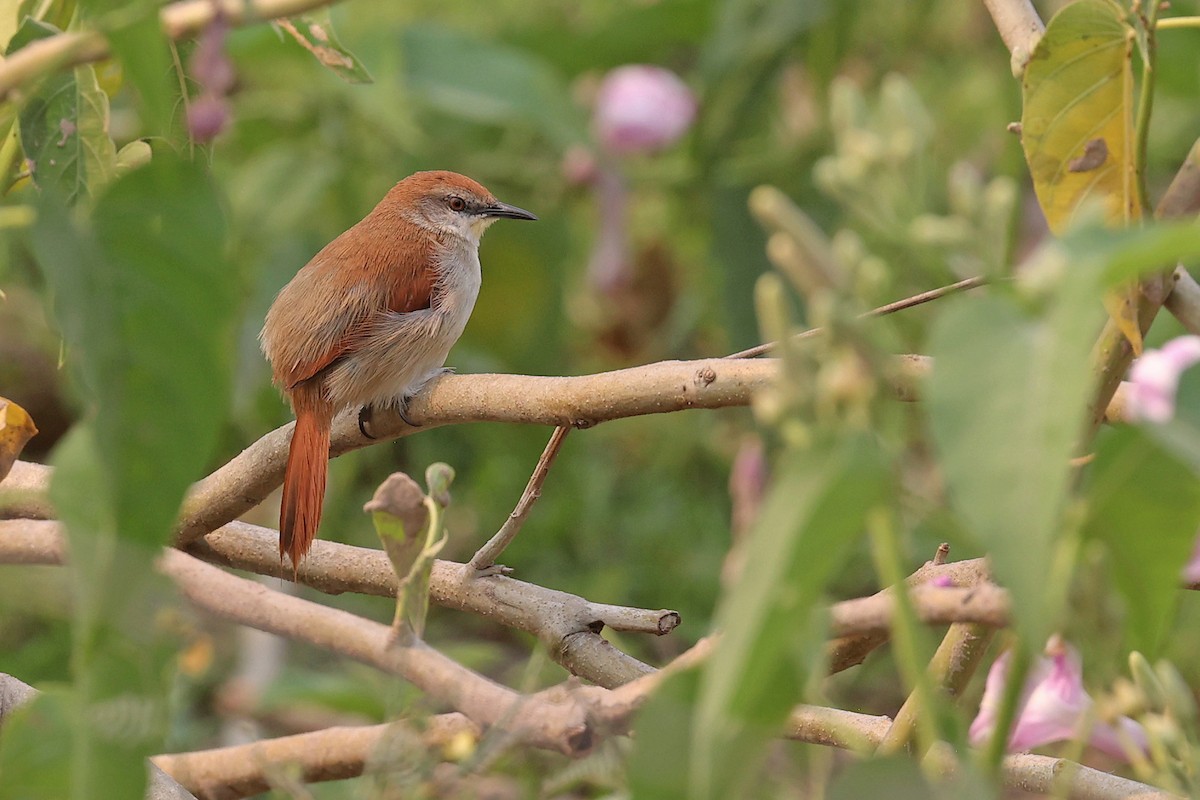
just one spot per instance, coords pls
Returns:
(370, 319)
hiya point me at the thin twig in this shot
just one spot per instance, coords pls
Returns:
(485, 557)
(890, 308)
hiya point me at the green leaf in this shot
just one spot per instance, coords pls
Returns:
(662, 738)
(1144, 504)
(35, 747)
(1007, 403)
(141, 47)
(121, 648)
(146, 303)
(64, 127)
(489, 83)
(314, 31)
(815, 513)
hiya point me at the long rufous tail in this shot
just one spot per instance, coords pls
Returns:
(304, 479)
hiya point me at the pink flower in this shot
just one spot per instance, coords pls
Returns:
(1191, 570)
(1052, 706)
(1154, 378)
(641, 109)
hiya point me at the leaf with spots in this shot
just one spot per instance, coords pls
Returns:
(64, 127)
(1077, 127)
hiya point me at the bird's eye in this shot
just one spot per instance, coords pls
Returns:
(457, 204)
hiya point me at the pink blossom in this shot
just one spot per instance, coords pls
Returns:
(641, 109)
(1191, 570)
(1052, 706)
(1154, 378)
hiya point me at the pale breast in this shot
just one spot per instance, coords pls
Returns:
(402, 351)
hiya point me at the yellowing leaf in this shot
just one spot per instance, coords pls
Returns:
(16, 428)
(1077, 126)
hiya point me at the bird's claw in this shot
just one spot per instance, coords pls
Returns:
(402, 410)
(364, 419)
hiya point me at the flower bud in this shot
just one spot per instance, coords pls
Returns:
(642, 109)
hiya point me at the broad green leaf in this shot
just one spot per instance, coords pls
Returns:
(35, 747)
(314, 31)
(145, 304)
(663, 728)
(64, 127)
(1144, 504)
(896, 778)
(141, 47)
(489, 83)
(123, 644)
(1077, 126)
(1007, 402)
(815, 513)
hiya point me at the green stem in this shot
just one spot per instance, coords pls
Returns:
(1178, 22)
(885, 551)
(1145, 106)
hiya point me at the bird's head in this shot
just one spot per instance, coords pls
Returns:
(452, 204)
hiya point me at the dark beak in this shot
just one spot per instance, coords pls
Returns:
(506, 211)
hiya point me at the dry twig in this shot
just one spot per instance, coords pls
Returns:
(484, 560)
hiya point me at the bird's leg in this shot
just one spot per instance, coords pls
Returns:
(364, 419)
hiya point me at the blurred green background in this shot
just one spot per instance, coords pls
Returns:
(635, 512)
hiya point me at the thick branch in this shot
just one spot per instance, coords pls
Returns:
(326, 755)
(178, 20)
(551, 720)
(568, 625)
(1019, 25)
(578, 402)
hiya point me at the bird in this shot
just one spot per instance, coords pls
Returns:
(370, 320)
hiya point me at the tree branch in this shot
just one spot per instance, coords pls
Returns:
(552, 719)
(326, 755)
(178, 20)
(1184, 300)
(1020, 27)
(568, 625)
